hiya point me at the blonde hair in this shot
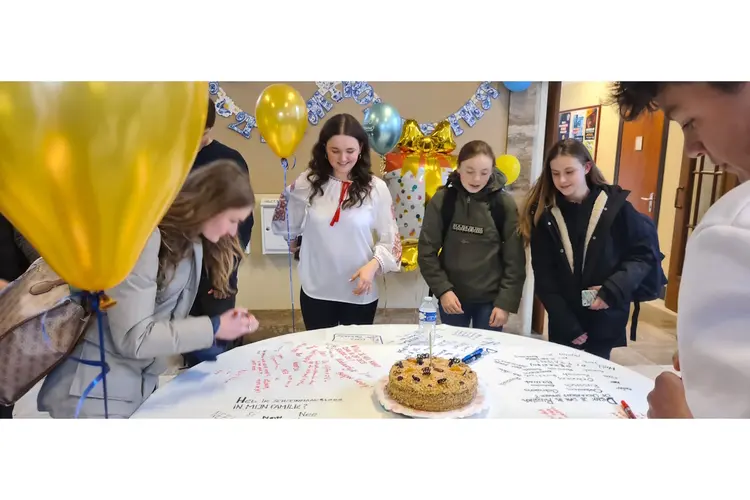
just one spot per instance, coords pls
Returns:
(210, 190)
(542, 193)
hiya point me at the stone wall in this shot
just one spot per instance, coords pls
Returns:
(526, 129)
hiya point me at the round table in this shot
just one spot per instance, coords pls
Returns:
(331, 373)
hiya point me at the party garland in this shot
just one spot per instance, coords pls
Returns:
(319, 104)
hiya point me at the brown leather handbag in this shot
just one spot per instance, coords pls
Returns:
(40, 325)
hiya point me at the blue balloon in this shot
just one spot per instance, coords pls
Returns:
(517, 86)
(383, 127)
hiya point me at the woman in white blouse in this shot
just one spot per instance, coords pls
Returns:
(338, 203)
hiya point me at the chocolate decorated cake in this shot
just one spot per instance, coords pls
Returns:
(436, 384)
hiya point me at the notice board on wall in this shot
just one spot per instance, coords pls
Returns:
(581, 124)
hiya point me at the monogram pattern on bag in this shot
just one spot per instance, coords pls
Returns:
(25, 356)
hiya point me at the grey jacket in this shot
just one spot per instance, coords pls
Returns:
(141, 330)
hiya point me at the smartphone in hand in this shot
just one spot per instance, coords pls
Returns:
(588, 297)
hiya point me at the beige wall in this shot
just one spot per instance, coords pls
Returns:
(264, 279)
(576, 95)
(582, 94)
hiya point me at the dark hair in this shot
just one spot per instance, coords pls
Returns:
(635, 98)
(542, 193)
(321, 170)
(207, 191)
(211, 116)
(469, 151)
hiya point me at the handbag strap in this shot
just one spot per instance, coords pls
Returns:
(45, 286)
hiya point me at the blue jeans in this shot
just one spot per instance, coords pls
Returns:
(474, 315)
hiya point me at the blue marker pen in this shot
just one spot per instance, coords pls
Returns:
(474, 355)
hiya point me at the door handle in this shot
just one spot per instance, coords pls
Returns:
(650, 201)
(677, 203)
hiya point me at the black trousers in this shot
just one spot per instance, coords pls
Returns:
(318, 313)
(601, 351)
(6, 411)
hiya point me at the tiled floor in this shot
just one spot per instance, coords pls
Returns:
(649, 355)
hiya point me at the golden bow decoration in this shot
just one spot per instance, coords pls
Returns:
(413, 139)
(431, 152)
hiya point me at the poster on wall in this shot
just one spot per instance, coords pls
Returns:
(582, 125)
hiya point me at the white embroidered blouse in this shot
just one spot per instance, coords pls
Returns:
(337, 242)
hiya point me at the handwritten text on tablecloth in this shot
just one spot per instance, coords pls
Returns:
(560, 378)
(334, 377)
(304, 365)
(446, 346)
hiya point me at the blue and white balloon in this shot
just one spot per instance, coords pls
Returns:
(383, 126)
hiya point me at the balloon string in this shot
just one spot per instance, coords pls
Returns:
(285, 166)
(94, 299)
(420, 294)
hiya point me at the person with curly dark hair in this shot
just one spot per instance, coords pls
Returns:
(338, 203)
(713, 316)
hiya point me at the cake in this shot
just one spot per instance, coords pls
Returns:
(440, 385)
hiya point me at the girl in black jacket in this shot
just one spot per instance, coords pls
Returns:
(586, 240)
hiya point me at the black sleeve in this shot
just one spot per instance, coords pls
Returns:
(241, 161)
(206, 304)
(637, 260)
(12, 263)
(546, 287)
(28, 251)
(245, 230)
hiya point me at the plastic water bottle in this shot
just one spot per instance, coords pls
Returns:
(427, 317)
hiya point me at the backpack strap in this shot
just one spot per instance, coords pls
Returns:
(498, 213)
(448, 209)
(634, 320)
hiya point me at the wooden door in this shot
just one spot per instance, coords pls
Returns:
(554, 89)
(640, 161)
(701, 184)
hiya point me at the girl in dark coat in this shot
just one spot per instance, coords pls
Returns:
(588, 246)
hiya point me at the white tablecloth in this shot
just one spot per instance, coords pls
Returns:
(331, 374)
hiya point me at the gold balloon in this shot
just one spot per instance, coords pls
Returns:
(510, 167)
(410, 135)
(408, 256)
(88, 169)
(439, 141)
(432, 154)
(434, 165)
(442, 137)
(281, 116)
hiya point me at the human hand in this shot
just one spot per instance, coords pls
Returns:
(235, 323)
(294, 246)
(667, 399)
(3, 284)
(450, 303)
(581, 339)
(676, 361)
(498, 317)
(598, 303)
(366, 275)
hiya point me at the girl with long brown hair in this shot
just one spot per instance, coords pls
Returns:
(589, 250)
(340, 203)
(149, 321)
